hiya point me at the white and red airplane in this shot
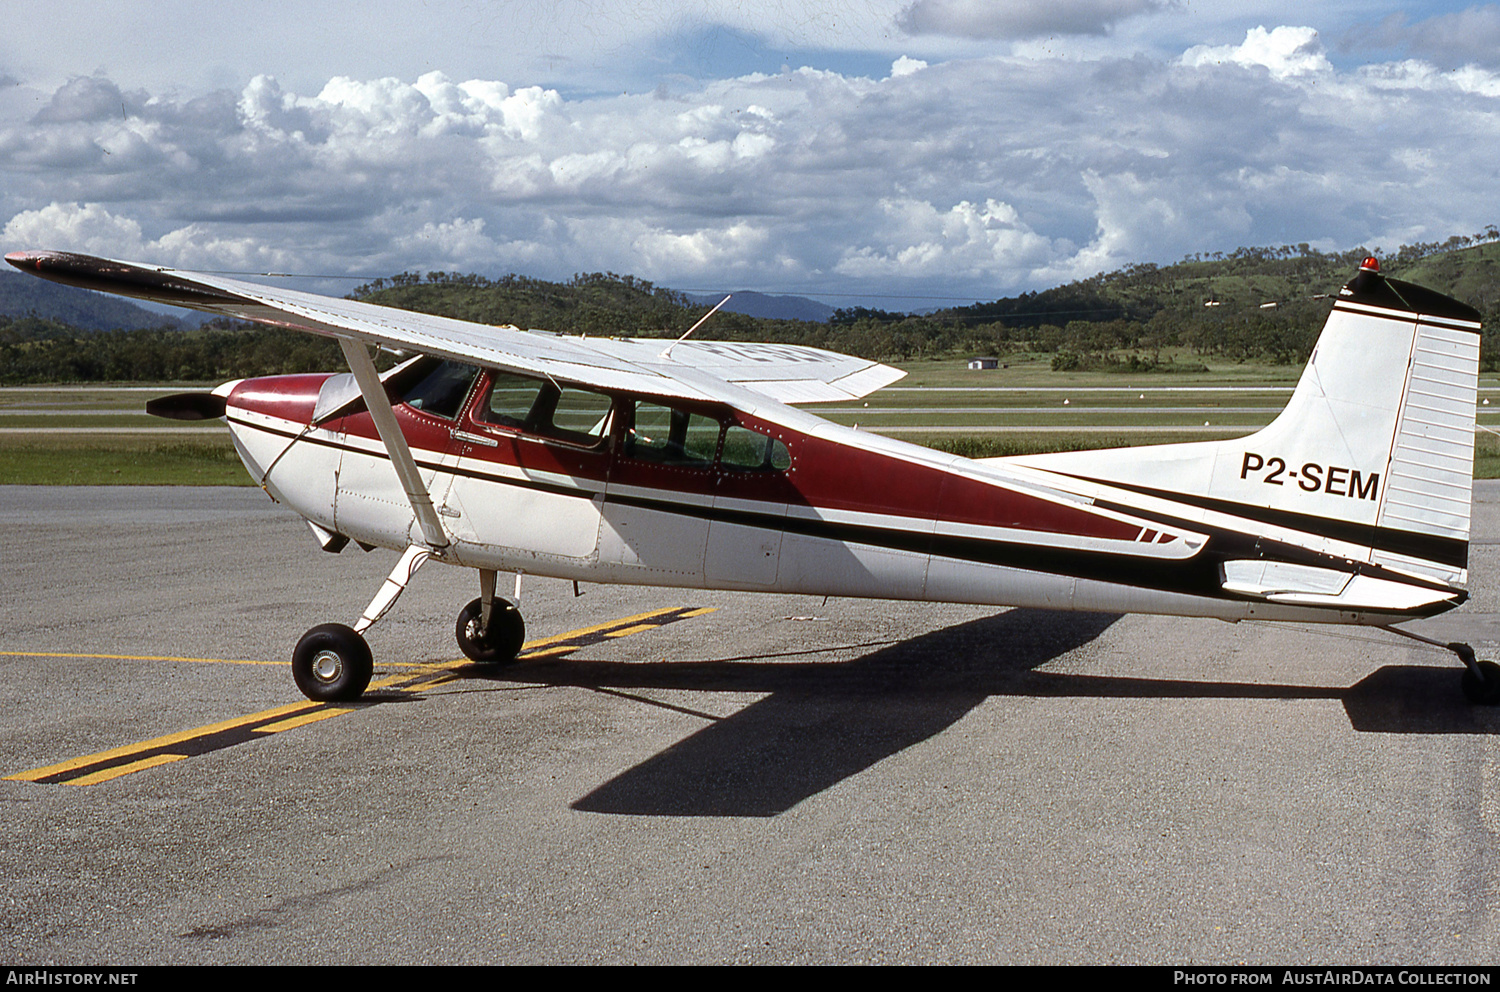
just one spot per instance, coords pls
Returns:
(682, 464)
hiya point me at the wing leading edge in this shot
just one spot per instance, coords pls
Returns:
(785, 373)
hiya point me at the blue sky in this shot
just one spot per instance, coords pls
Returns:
(880, 152)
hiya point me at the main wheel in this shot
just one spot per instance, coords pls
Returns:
(1486, 693)
(332, 662)
(498, 645)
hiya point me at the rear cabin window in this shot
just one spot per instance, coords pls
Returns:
(672, 436)
(437, 386)
(539, 406)
(746, 450)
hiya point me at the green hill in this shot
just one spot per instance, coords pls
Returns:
(23, 296)
(597, 303)
(1468, 274)
(1249, 279)
(1252, 304)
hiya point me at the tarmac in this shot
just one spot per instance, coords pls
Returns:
(679, 777)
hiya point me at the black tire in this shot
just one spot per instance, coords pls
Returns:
(1486, 693)
(332, 663)
(501, 643)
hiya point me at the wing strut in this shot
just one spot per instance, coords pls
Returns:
(379, 406)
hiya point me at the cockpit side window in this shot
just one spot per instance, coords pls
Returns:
(542, 407)
(582, 413)
(439, 388)
(512, 398)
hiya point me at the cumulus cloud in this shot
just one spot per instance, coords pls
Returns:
(905, 66)
(967, 239)
(715, 250)
(84, 99)
(84, 227)
(91, 229)
(977, 177)
(1018, 19)
(1285, 51)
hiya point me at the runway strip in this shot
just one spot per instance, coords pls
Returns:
(118, 762)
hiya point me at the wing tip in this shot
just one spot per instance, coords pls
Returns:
(107, 275)
(63, 262)
(26, 259)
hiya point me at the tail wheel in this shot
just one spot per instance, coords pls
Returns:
(331, 662)
(498, 645)
(1486, 692)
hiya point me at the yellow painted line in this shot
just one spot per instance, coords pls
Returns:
(530, 646)
(105, 766)
(551, 652)
(584, 631)
(301, 721)
(427, 671)
(166, 741)
(136, 657)
(442, 679)
(627, 631)
(119, 771)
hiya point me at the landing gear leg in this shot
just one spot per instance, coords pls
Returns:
(489, 629)
(332, 662)
(1481, 679)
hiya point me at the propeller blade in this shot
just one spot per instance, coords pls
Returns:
(187, 406)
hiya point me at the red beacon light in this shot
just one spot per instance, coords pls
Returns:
(1370, 264)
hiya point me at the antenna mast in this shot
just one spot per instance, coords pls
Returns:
(667, 354)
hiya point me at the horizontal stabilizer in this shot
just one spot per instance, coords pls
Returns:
(1301, 585)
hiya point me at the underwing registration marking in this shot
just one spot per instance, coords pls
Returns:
(1311, 477)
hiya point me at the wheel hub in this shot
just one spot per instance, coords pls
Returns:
(327, 665)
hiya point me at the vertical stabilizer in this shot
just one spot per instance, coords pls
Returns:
(1375, 447)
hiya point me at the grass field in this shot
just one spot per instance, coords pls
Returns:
(86, 459)
(99, 435)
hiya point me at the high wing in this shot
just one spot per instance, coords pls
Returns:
(686, 370)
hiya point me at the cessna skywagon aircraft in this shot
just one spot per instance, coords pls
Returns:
(682, 464)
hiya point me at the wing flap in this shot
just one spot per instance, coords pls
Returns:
(786, 373)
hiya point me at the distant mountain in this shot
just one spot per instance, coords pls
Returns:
(753, 304)
(24, 296)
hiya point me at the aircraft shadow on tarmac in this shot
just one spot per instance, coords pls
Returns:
(825, 721)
